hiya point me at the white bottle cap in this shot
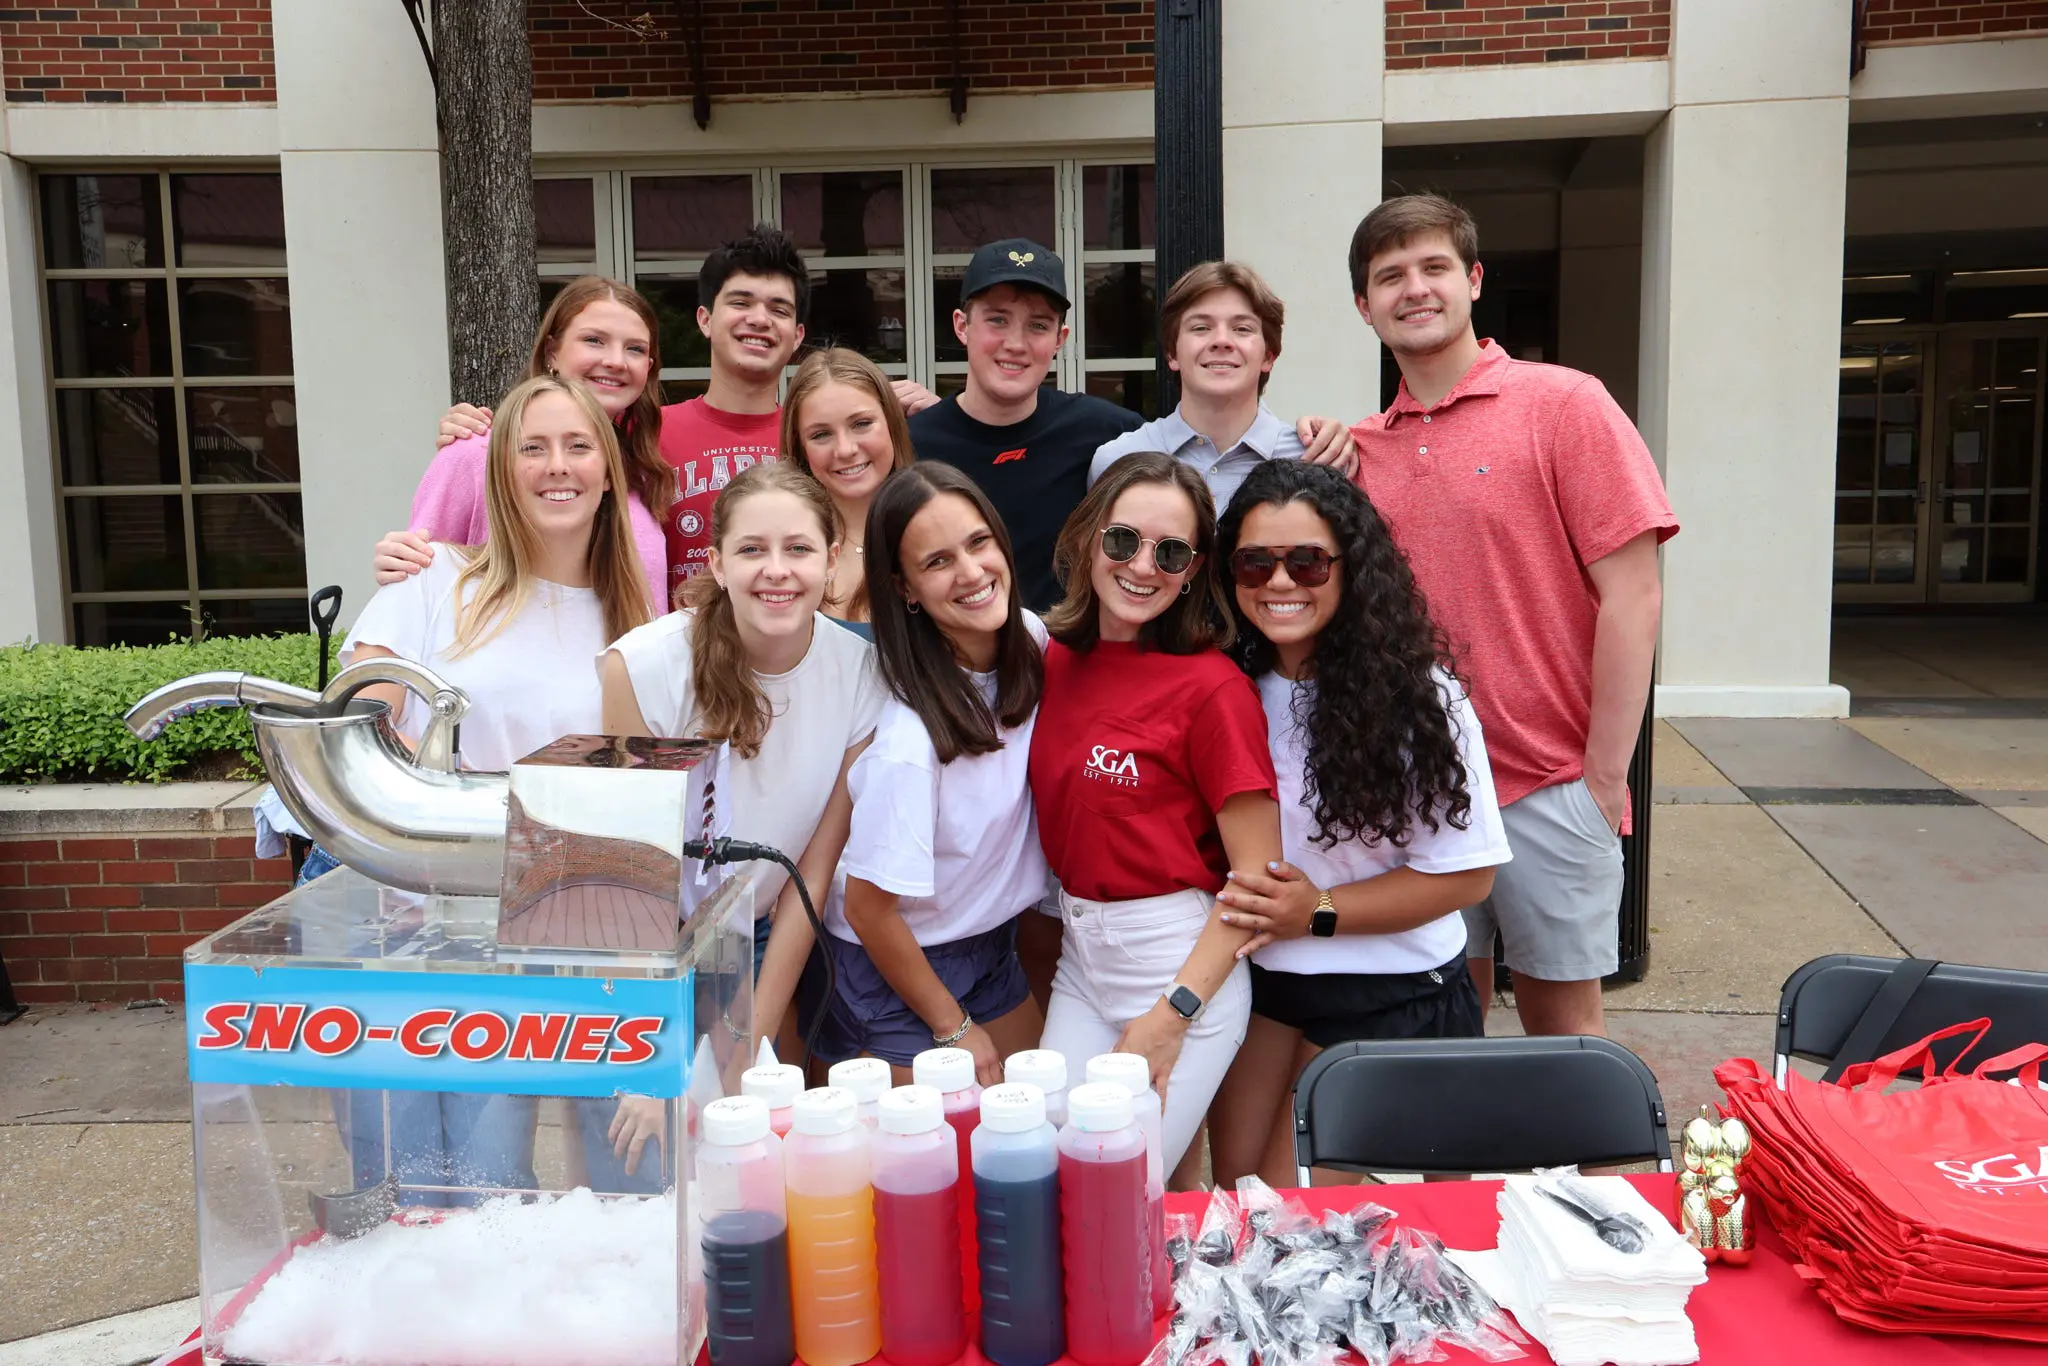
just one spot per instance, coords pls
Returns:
(910, 1110)
(731, 1121)
(1098, 1107)
(868, 1078)
(1044, 1068)
(1015, 1107)
(947, 1069)
(1128, 1070)
(826, 1110)
(778, 1083)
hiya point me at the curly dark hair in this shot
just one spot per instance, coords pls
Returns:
(1382, 754)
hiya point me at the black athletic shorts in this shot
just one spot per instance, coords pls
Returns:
(1337, 1007)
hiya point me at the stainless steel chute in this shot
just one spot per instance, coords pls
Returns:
(403, 816)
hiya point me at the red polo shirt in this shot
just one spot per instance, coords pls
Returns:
(1500, 496)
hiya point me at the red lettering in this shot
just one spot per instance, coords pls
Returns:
(630, 1041)
(274, 1028)
(479, 1036)
(412, 1036)
(537, 1038)
(333, 1030)
(587, 1038)
(223, 1025)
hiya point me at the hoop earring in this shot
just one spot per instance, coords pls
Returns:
(911, 607)
(1184, 589)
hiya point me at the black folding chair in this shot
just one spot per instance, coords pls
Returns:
(1848, 1008)
(1453, 1106)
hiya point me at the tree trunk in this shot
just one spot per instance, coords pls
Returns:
(485, 98)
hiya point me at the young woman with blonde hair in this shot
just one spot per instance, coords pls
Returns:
(514, 623)
(842, 425)
(605, 334)
(751, 661)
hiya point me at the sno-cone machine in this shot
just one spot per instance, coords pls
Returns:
(443, 1096)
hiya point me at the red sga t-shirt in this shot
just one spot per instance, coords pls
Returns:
(1133, 752)
(707, 447)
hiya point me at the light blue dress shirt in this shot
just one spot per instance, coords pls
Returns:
(1268, 439)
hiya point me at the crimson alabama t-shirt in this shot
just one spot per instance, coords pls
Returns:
(707, 446)
(1133, 753)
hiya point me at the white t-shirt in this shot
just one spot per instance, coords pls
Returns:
(528, 685)
(957, 842)
(1484, 844)
(823, 707)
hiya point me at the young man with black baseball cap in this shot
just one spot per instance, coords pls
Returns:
(1027, 445)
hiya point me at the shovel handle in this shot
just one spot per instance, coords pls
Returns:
(326, 610)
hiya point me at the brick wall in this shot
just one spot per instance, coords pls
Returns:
(1893, 23)
(1434, 33)
(106, 918)
(807, 47)
(125, 52)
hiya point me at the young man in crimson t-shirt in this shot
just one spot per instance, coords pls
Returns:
(753, 294)
(1531, 512)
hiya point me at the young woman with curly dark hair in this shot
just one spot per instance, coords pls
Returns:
(1386, 803)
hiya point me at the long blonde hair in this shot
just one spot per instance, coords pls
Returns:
(502, 568)
(839, 365)
(730, 703)
(639, 427)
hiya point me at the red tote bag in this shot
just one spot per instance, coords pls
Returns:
(1963, 1158)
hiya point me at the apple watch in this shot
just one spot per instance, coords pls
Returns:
(1322, 921)
(1185, 1003)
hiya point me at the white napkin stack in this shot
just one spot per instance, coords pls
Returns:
(1586, 1302)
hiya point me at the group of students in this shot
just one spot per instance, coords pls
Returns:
(1106, 736)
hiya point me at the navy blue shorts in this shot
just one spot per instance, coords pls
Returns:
(867, 1017)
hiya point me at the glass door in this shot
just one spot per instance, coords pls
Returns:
(1938, 464)
(1986, 464)
(1881, 485)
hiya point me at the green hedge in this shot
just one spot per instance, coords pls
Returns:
(61, 708)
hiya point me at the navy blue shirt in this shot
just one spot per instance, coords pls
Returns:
(1034, 471)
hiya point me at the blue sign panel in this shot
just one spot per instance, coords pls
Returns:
(418, 1031)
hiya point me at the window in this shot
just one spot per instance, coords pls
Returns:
(169, 313)
(886, 248)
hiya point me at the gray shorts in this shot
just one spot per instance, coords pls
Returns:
(1557, 903)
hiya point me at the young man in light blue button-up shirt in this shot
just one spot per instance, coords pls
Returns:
(1220, 325)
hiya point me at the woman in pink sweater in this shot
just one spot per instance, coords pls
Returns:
(605, 334)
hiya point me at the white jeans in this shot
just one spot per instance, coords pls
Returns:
(1116, 957)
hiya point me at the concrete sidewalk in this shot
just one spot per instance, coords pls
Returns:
(1775, 842)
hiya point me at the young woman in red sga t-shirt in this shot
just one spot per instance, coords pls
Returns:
(1152, 779)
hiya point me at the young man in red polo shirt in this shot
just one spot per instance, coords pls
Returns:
(1531, 512)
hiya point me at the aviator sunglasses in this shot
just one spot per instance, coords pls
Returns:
(1309, 566)
(1122, 544)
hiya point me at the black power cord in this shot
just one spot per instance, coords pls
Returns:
(721, 851)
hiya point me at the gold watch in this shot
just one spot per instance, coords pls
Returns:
(1322, 921)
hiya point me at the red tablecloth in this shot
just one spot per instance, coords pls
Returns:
(1756, 1315)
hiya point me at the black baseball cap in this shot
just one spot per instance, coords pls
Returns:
(1015, 261)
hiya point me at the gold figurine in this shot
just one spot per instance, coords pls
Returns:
(1713, 1211)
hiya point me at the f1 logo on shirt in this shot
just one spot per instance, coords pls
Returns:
(1118, 767)
(1005, 457)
